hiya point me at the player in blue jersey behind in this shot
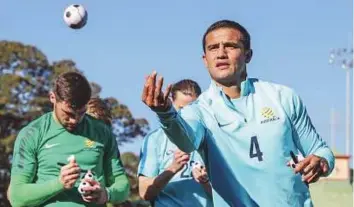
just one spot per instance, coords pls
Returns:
(246, 127)
(165, 173)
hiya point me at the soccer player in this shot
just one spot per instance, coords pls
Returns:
(42, 174)
(247, 128)
(165, 172)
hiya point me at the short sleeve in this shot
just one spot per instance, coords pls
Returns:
(149, 164)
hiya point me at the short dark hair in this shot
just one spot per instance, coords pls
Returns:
(246, 37)
(73, 88)
(98, 109)
(187, 87)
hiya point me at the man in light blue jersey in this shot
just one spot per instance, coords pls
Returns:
(165, 172)
(246, 128)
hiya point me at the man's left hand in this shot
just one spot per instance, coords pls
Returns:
(312, 168)
(95, 193)
(200, 174)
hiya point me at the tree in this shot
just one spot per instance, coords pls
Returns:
(125, 126)
(26, 77)
(130, 163)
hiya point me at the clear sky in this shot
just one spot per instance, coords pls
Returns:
(125, 40)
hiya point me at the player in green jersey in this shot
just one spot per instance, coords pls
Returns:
(42, 174)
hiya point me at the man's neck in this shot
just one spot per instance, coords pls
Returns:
(176, 107)
(232, 90)
(55, 117)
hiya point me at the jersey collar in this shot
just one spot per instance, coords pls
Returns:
(246, 88)
(55, 121)
(216, 92)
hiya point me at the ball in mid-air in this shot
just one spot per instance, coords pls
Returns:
(75, 16)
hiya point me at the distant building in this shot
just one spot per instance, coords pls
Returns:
(341, 171)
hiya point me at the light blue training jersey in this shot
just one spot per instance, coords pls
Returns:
(156, 156)
(247, 143)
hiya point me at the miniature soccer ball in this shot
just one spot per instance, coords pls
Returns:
(299, 158)
(89, 175)
(82, 185)
(197, 165)
(75, 16)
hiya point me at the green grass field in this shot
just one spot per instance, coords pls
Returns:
(332, 194)
(324, 193)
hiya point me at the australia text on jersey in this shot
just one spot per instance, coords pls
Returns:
(269, 115)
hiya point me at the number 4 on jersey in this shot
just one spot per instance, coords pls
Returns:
(254, 149)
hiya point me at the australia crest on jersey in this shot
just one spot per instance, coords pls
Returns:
(268, 115)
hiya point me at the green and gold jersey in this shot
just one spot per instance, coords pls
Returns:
(43, 147)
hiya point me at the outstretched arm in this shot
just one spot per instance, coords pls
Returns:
(184, 129)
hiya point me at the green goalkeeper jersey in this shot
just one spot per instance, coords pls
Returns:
(43, 147)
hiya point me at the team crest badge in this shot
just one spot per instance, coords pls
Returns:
(268, 115)
(89, 143)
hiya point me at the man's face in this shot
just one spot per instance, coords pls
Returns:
(66, 115)
(225, 55)
(181, 100)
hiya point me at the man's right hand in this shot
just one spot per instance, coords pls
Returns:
(69, 174)
(153, 96)
(180, 159)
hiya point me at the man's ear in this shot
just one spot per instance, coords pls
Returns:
(52, 97)
(249, 54)
(205, 61)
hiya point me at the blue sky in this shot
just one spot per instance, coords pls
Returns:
(125, 40)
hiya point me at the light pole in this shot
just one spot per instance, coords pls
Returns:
(344, 57)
